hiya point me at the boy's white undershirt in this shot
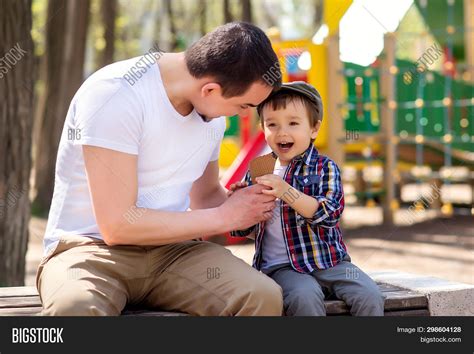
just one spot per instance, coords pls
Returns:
(274, 246)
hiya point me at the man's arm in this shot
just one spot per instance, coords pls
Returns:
(249, 232)
(207, 192)
(113, 185)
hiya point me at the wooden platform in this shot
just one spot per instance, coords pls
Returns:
(24, 301)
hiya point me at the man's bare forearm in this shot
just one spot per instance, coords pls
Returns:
(213, 199)
(153, 227)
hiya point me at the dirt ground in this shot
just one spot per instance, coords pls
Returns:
(434, 246)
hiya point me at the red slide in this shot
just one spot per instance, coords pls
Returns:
(237, 170)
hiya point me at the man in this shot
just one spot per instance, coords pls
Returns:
(139, 147)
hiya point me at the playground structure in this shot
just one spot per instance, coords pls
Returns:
(391, 124)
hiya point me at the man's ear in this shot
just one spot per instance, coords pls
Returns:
(315, 130)
(210, 88)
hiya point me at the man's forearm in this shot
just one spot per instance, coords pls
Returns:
(154, 227)
(210, 200)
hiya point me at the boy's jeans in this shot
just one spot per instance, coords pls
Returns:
(303, 294)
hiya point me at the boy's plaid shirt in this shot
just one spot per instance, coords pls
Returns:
(311, 243)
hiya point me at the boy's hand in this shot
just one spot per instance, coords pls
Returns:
(276, 183)
(235, 186)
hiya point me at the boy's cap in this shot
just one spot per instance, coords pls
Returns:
(303, 89)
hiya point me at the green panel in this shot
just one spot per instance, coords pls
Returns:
(359, 117)
(438, 16)
(432, 122)
(232, 126)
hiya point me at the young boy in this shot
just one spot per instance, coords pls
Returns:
(301, 246)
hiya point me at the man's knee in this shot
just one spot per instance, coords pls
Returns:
(262, 298)
(76, 301)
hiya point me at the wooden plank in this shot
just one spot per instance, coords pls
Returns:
(336, 307)
(405, 300)
(25, 311)
(18, 291)
(22, 299)
(387, 126)
(32, 291)
(152, 313)
(19, 302)
(412, 312)
(34, 311)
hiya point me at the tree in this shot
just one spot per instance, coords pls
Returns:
(246, 11)
(227, 13)
(202, 17)
(16, 112)
(62, 72)
(173, 33)
(108, 10)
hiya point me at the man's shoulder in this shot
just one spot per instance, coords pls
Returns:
(121, 74)
(119, 69)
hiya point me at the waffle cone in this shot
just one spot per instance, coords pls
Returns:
(262, 165)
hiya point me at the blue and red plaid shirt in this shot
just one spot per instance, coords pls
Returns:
(316, 242)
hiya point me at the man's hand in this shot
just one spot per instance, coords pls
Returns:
(235, 186)
(247, 207)
(276, 183)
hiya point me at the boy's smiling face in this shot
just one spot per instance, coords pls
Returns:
(288, 130)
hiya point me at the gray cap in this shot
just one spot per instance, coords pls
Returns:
(301, 88)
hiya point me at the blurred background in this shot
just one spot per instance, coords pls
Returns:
(396, 79)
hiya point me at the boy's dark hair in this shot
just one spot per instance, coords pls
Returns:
(237, 55)
(279, 100)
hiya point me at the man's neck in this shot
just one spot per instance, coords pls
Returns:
(177, 81)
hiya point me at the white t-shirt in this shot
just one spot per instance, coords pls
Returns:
(134, 118)
(274, 245)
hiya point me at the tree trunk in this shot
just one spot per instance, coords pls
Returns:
(318, 13)
(66, 33)
(246, 11)
(108, 12)
(16, 112)
(173, 40)
(227, 13)
(202, 18)
(270, 17)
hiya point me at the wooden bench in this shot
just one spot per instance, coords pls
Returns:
(24, 301)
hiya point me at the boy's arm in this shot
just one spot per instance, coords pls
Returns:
(322, 208)
(304, 205)
(330, 201)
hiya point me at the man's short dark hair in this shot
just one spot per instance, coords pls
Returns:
(236, 55)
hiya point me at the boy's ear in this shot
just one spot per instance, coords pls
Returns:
(210, 88)
(315, 130)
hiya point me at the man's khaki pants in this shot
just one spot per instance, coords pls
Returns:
(83, 277)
